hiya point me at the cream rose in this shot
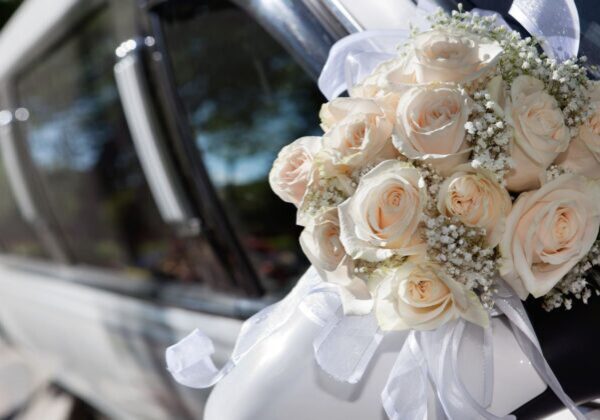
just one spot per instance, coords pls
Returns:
(547, 232)
(421, 296)
(383, 216)
(540, 133)
(320, 241)
(362, 133)
(444, 56)
(376, 84)
(292, 168)
(474, 196)
(431, 126)
(583, 154)
(339, 108)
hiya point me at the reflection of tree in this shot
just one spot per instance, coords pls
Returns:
(246, 98)
(245, 93)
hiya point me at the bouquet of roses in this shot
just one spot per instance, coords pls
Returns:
(471, 156)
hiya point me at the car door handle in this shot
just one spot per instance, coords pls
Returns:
(148, 139)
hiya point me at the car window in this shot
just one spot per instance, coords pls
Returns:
(85, 160)
(245, 98)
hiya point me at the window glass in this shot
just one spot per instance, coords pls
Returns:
(17, 236)
(81, 147)
(246, 98)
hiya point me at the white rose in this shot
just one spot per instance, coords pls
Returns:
(362, 135)
(547, 232)
(292, 168)
(383, 216)
(443, 56)
(376, 84)
(320, 241)
(540, 132)
(431, 126)
(336, 110)
(421, 296)
(474, 196)
(583, 154)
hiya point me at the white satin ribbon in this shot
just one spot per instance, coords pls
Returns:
(511, 306)
(429, 359)
(190, 362)
(355, 337)
(355, 56)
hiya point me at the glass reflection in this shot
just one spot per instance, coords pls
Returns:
(17, 236)
(246, 98)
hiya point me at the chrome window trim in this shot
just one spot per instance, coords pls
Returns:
(296, 28)
(341, 12)
(148, 140)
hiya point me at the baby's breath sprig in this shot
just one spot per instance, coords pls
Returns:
(489, 135)
(567, 81)
(372, 271)
(554, 171)
(575, 284)
(461, 250)
(321, 196)
(433, 180)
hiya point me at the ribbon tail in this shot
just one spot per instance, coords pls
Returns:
(488, 369)
(525, 335)
(190, 360)
(404, 396)
(346, 345)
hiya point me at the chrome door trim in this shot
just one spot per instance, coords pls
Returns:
(149, 141)
(296, 28)
(343, 15)
(18, 172)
